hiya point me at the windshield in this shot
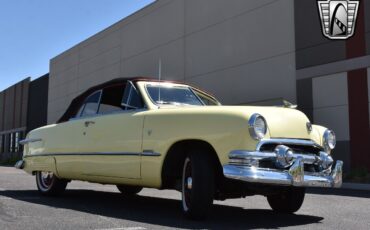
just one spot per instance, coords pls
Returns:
(176, 95)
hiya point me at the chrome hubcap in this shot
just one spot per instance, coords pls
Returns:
(189, 183)
(46, 179)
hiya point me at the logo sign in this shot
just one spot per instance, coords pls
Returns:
(338, 18)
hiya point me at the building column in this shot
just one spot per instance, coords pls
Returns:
(358, 97)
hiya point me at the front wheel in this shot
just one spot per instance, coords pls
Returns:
(49, 184)
(198, 182)
(287, 201)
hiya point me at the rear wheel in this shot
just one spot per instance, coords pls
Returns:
(198, 182)
(49, 184)
(287, 201)
(129, 190)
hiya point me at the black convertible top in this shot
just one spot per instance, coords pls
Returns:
(76, 103)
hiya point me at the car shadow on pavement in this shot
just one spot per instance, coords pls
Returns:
(340, 192)
(160, 211)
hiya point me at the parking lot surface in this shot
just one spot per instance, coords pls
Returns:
(93, 206)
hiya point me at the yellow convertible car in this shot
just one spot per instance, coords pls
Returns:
(141, 132)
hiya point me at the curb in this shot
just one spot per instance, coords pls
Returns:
(356, 186)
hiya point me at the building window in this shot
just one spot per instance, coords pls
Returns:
(1, 144)
(11, 149)
(5, 143)
(16, 144)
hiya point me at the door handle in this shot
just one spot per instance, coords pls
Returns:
(87, 123)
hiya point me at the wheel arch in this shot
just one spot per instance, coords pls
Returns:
(175, 157)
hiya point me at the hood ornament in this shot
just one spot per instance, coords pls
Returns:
(287, 104)
(309, 126)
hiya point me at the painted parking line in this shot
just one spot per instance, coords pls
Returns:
(22, 198)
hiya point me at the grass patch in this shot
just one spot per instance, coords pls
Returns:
(10, 161)
(357, 175)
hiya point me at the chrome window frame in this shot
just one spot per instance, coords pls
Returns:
(111, 113)
(84, 103)
(127, 103)
(195, 91)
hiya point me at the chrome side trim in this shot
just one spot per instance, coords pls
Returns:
(108, 114)
(287, 142)
(85, 154)
(150, 153)
(144, 153)
(294, 177)
(26, 141)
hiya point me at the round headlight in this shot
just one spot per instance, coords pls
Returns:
(329, 140)
(257, 126)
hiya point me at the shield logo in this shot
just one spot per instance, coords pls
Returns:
(338, 18)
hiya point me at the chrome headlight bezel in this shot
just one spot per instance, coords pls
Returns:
(329, 140)
(255, 132)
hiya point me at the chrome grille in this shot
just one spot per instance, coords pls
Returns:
(298, 146)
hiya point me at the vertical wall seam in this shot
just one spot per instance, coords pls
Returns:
(21, 106)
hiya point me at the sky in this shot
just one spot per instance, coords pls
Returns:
(34, 31)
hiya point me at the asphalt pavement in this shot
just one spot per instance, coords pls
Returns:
(93, 206)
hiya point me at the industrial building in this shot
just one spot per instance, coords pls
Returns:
(23, 107)
(244, 52)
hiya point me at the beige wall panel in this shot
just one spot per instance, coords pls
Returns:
(66, 61)
(155, 29)
(108, 42)
(52, 117)
(147, 64)
(67, 88)
(52, 108)
(101, 75)
(244, 39)
(200, 14)
(59, 103)
(61, 83)
(101, 61)
(331, 90)
(229, 58)
(335, 118)
(253, 82)
(63, 77)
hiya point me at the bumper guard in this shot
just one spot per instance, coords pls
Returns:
(294, 176)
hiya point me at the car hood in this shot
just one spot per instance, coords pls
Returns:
(282, 122)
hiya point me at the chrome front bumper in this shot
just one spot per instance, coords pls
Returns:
(294, 175)
(20, 164)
